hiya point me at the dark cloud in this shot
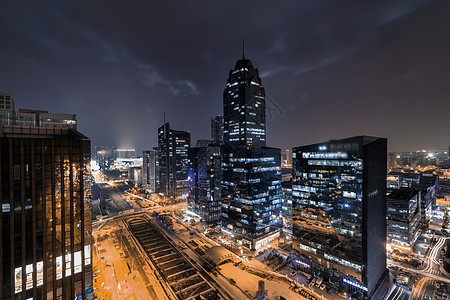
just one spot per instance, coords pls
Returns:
(331, 69)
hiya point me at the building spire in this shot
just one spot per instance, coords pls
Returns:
(243, 48)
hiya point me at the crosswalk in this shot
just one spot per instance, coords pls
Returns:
(434, 272)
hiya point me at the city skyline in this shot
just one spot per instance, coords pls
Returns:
(380, 66)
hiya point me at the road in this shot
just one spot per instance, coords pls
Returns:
(433, 264)
(397, 293)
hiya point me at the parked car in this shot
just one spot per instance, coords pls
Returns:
(323, 286)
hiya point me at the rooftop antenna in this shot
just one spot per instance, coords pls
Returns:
(243, 56)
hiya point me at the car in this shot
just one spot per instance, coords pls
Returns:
(438, 285)
(293, 273)
(440, 260)
(322, 286)
(318, 282)
(330, 291)
(445, 297)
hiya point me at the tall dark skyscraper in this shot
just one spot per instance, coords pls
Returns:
(339, 210)
(251, 172)
(172, 166)
(244, 106)
(204, 178)
(45, 221)
(148, 169)
(217, 129)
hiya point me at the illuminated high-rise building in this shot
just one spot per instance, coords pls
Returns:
(251, 172)
(46, 229)
(244, 106)
(339, 211)
(172, 165)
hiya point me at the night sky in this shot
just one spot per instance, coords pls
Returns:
(331, 69)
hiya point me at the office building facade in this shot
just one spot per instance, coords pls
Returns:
(251, 194)
(124, 153)
(339, 211)
(46, 213)
(403, 219)
(204, 198)
(425, 184)
(37, 118)
(217, 129)
(149, 169)
(172, 156)
(251, 172)
(244, 106)
(6, 101)
(286, 187)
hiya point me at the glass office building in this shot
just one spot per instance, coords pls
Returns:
(204, 199)
(251, 193)
(244, 106)
(41, 118)
(217, 129)
(46, 213)
(172, 165)
(339, 210)
(286, 187)
(425, 183)
(403, 219)
(251, 172)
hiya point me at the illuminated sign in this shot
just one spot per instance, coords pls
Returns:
(77, 262)
(87, 255)
(40, 273)
(302, 263)
(68, 261)
(59, 267)
(29, 272)
(355, 284)
(18, 280)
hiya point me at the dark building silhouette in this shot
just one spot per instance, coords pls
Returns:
(45, 221)
(204, 198)
(149, 169)
(217, 129)
(251, 172)
(172, 166)
(339, 210)
(203, 143)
